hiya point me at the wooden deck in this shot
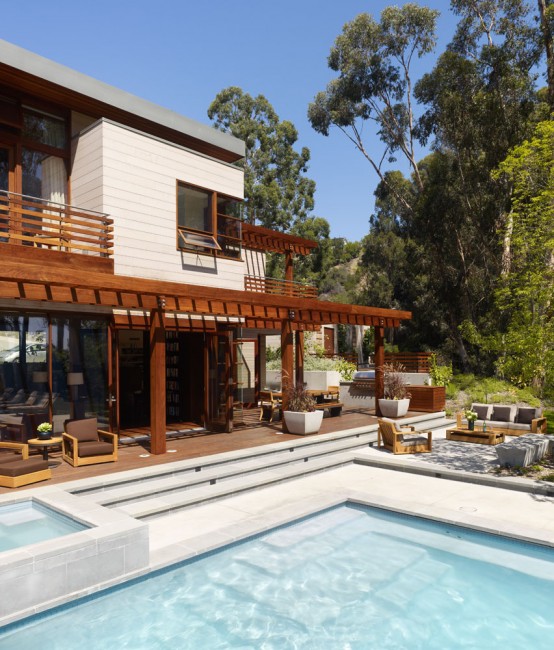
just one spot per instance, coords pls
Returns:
(194, 444)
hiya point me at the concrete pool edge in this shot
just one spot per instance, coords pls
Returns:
(41, 575)
(192, 547)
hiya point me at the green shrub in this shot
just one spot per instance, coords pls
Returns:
(549, 415)
(346, 369)
(440, 375)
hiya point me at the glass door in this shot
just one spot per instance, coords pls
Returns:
(220, 382)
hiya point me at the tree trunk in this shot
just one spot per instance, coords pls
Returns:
(549, 49)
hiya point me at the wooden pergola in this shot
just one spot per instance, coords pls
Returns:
(164, 302)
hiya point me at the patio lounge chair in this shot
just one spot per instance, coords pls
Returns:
(17, 469)
(399, 441)
(268, 402)
(84, 444)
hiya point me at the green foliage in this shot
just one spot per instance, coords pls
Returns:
(277, 191)
(346, 369)
(273, 354)
(549, 415)
(526, 288)
(440, 375)
(489, 390)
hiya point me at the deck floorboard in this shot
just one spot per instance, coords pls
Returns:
(196, 443)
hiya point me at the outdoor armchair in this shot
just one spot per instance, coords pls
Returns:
(268, 403)
(84, 444)
(398, 439)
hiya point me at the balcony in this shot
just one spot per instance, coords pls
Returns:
(279, 287)
(30, 221)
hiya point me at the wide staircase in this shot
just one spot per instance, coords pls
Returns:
(158, 491)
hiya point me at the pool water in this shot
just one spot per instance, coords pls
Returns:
(348, 578)
(29, 522)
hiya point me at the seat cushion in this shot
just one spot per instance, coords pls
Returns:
(502, 413)
(483, 411)
(414, 440)
(21, 467)
(84, 430)
(526, 414)
(87, 449)
(517, 426)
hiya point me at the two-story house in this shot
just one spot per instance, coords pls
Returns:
(130, 288)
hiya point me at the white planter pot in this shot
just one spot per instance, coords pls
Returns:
(303, 423)
(394, 408)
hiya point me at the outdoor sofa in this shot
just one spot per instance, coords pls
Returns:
(509, 419)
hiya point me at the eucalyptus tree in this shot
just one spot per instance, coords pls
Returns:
(277, 191)
(525, 297)
(546, 17)
(374, 63)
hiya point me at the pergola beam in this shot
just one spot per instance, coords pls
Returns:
(40, 283)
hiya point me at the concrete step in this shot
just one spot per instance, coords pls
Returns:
(190, 478)
(170, 502)
(157, 490)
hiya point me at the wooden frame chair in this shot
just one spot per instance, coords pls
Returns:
(17, 469)
(393, 438)
(268, 402)
(83, 443)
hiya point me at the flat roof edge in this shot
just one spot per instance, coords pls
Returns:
(61, 75)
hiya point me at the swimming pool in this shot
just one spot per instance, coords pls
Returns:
(350, 578)
(28, 522)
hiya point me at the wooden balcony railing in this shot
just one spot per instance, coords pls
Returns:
(31, 221)
(279, 287)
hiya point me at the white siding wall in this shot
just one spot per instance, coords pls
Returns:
(138, 176)
(86, 171)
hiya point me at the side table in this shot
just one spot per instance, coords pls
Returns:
(45, 444)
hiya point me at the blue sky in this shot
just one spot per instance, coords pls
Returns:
(180, 54)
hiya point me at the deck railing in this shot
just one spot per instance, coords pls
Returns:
(31, 221)
(412, 361)
(279, 287)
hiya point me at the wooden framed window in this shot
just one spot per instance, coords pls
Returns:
(208, 222)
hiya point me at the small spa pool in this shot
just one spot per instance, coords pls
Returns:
(28, 522)
(350, 577)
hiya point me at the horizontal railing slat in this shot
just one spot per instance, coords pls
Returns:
(45, 224)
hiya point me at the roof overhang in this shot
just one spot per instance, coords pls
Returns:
(37, 282)
(37, 76)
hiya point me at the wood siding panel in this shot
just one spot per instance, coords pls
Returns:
(139, 191)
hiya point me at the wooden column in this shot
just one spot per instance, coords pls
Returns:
(299, 341)
(379, 362)
(287, 370)
(289, 271)
(157, 382)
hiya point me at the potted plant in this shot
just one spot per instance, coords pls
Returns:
(301, 416)
(44, 431)
(470, 416)
(396, 402)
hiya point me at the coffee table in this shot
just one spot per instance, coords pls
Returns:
(462, 434)
(45, 444)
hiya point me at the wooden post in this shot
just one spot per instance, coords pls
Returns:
(379, 362)
(299, 357)
(157, 382)
(286, 362)
(289, 272)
